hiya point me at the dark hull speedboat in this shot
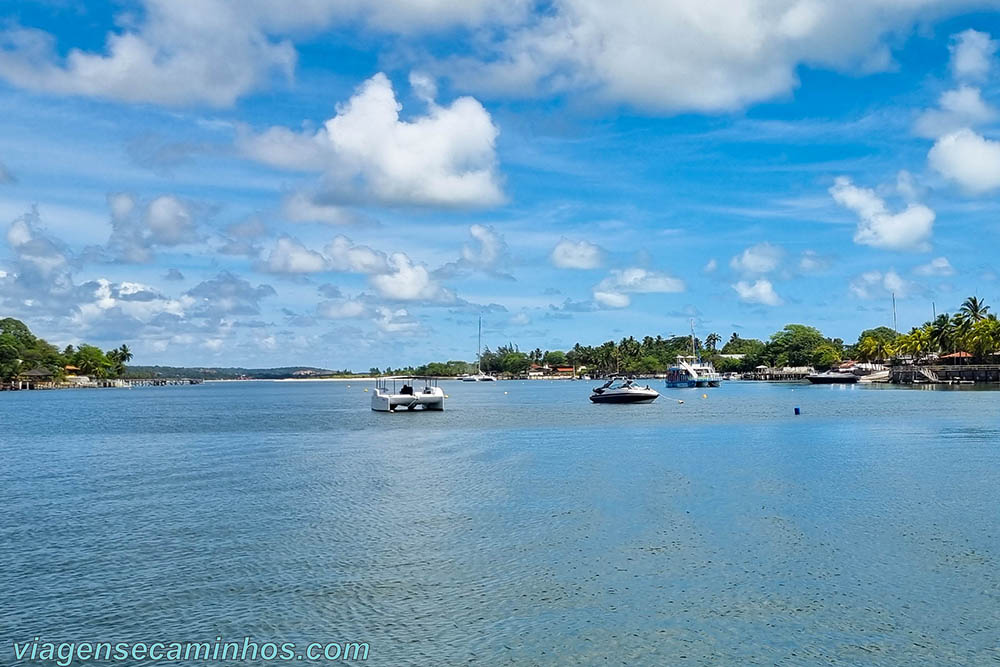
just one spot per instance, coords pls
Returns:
(626, 392)
(832, 378)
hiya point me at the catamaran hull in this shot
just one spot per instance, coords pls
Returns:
(384, 402)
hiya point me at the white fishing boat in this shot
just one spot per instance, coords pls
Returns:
(691, 371)
(480, 376)
(625, 391)
(387, 399)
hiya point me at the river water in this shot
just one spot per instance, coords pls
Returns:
(523, 525)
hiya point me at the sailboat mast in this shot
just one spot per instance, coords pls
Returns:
(694, 352)
(479, 347)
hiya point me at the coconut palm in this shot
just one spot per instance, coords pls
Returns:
(973, 309)
(711, 340)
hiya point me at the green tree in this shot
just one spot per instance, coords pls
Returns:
(92, 361)
(973, 309)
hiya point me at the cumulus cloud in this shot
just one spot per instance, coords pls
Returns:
(137, 230)
(688, 56)
(301, 207)
(569, 254)
(614, 290)
(347, 257)
(290, 256)
(408, 281)
(489, 250)
(395, 321)
(939, 266)
(227, 294)
(212, 51)
(444, 158)
(963, 107)
(758, 259)
(341, 309)
(972, 54)
(811, 261)
(760, 291)
(876, 284)
(240, 238)
(969, 159)
(909, 229)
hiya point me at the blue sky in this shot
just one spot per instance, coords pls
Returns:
(350, 184)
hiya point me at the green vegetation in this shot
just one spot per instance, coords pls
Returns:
(22, 351)
(973, 331)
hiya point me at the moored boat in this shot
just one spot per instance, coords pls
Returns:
(431, 397)
(626, 391)
(691, 372)
(833, 377)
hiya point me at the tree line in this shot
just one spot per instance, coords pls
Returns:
(22, 351)
(972, 329)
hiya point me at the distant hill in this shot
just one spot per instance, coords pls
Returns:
(212, 373)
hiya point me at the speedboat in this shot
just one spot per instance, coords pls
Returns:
(431, 397)
(833, 377)
(626, 391)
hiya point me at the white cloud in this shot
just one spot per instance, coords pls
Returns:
(812, 262)
(569, 254)
(968, 159)
(960, 108)
(135, 233)
(169, 221)
(446, 157)
(341, 309)
(758, 259)
(395, 321)
(491, 251)
(910, 229)
(344, 256)
(290, 256)
(875, 284)
(760, 291)
(406, 281)
(972, 55)
(520, 319)
(212, 52)
(300, 207)
(939, 266)
(710, 266)
(691, 56)
(614, 290)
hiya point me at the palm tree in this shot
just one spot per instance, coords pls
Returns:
(973, 309)
(124, 353)
(711, 340)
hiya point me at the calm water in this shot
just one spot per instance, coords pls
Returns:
(521, 526)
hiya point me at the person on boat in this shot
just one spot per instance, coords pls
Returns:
(407, 389)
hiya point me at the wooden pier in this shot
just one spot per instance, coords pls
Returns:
(942, 374)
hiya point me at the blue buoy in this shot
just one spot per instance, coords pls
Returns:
(797, 411)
